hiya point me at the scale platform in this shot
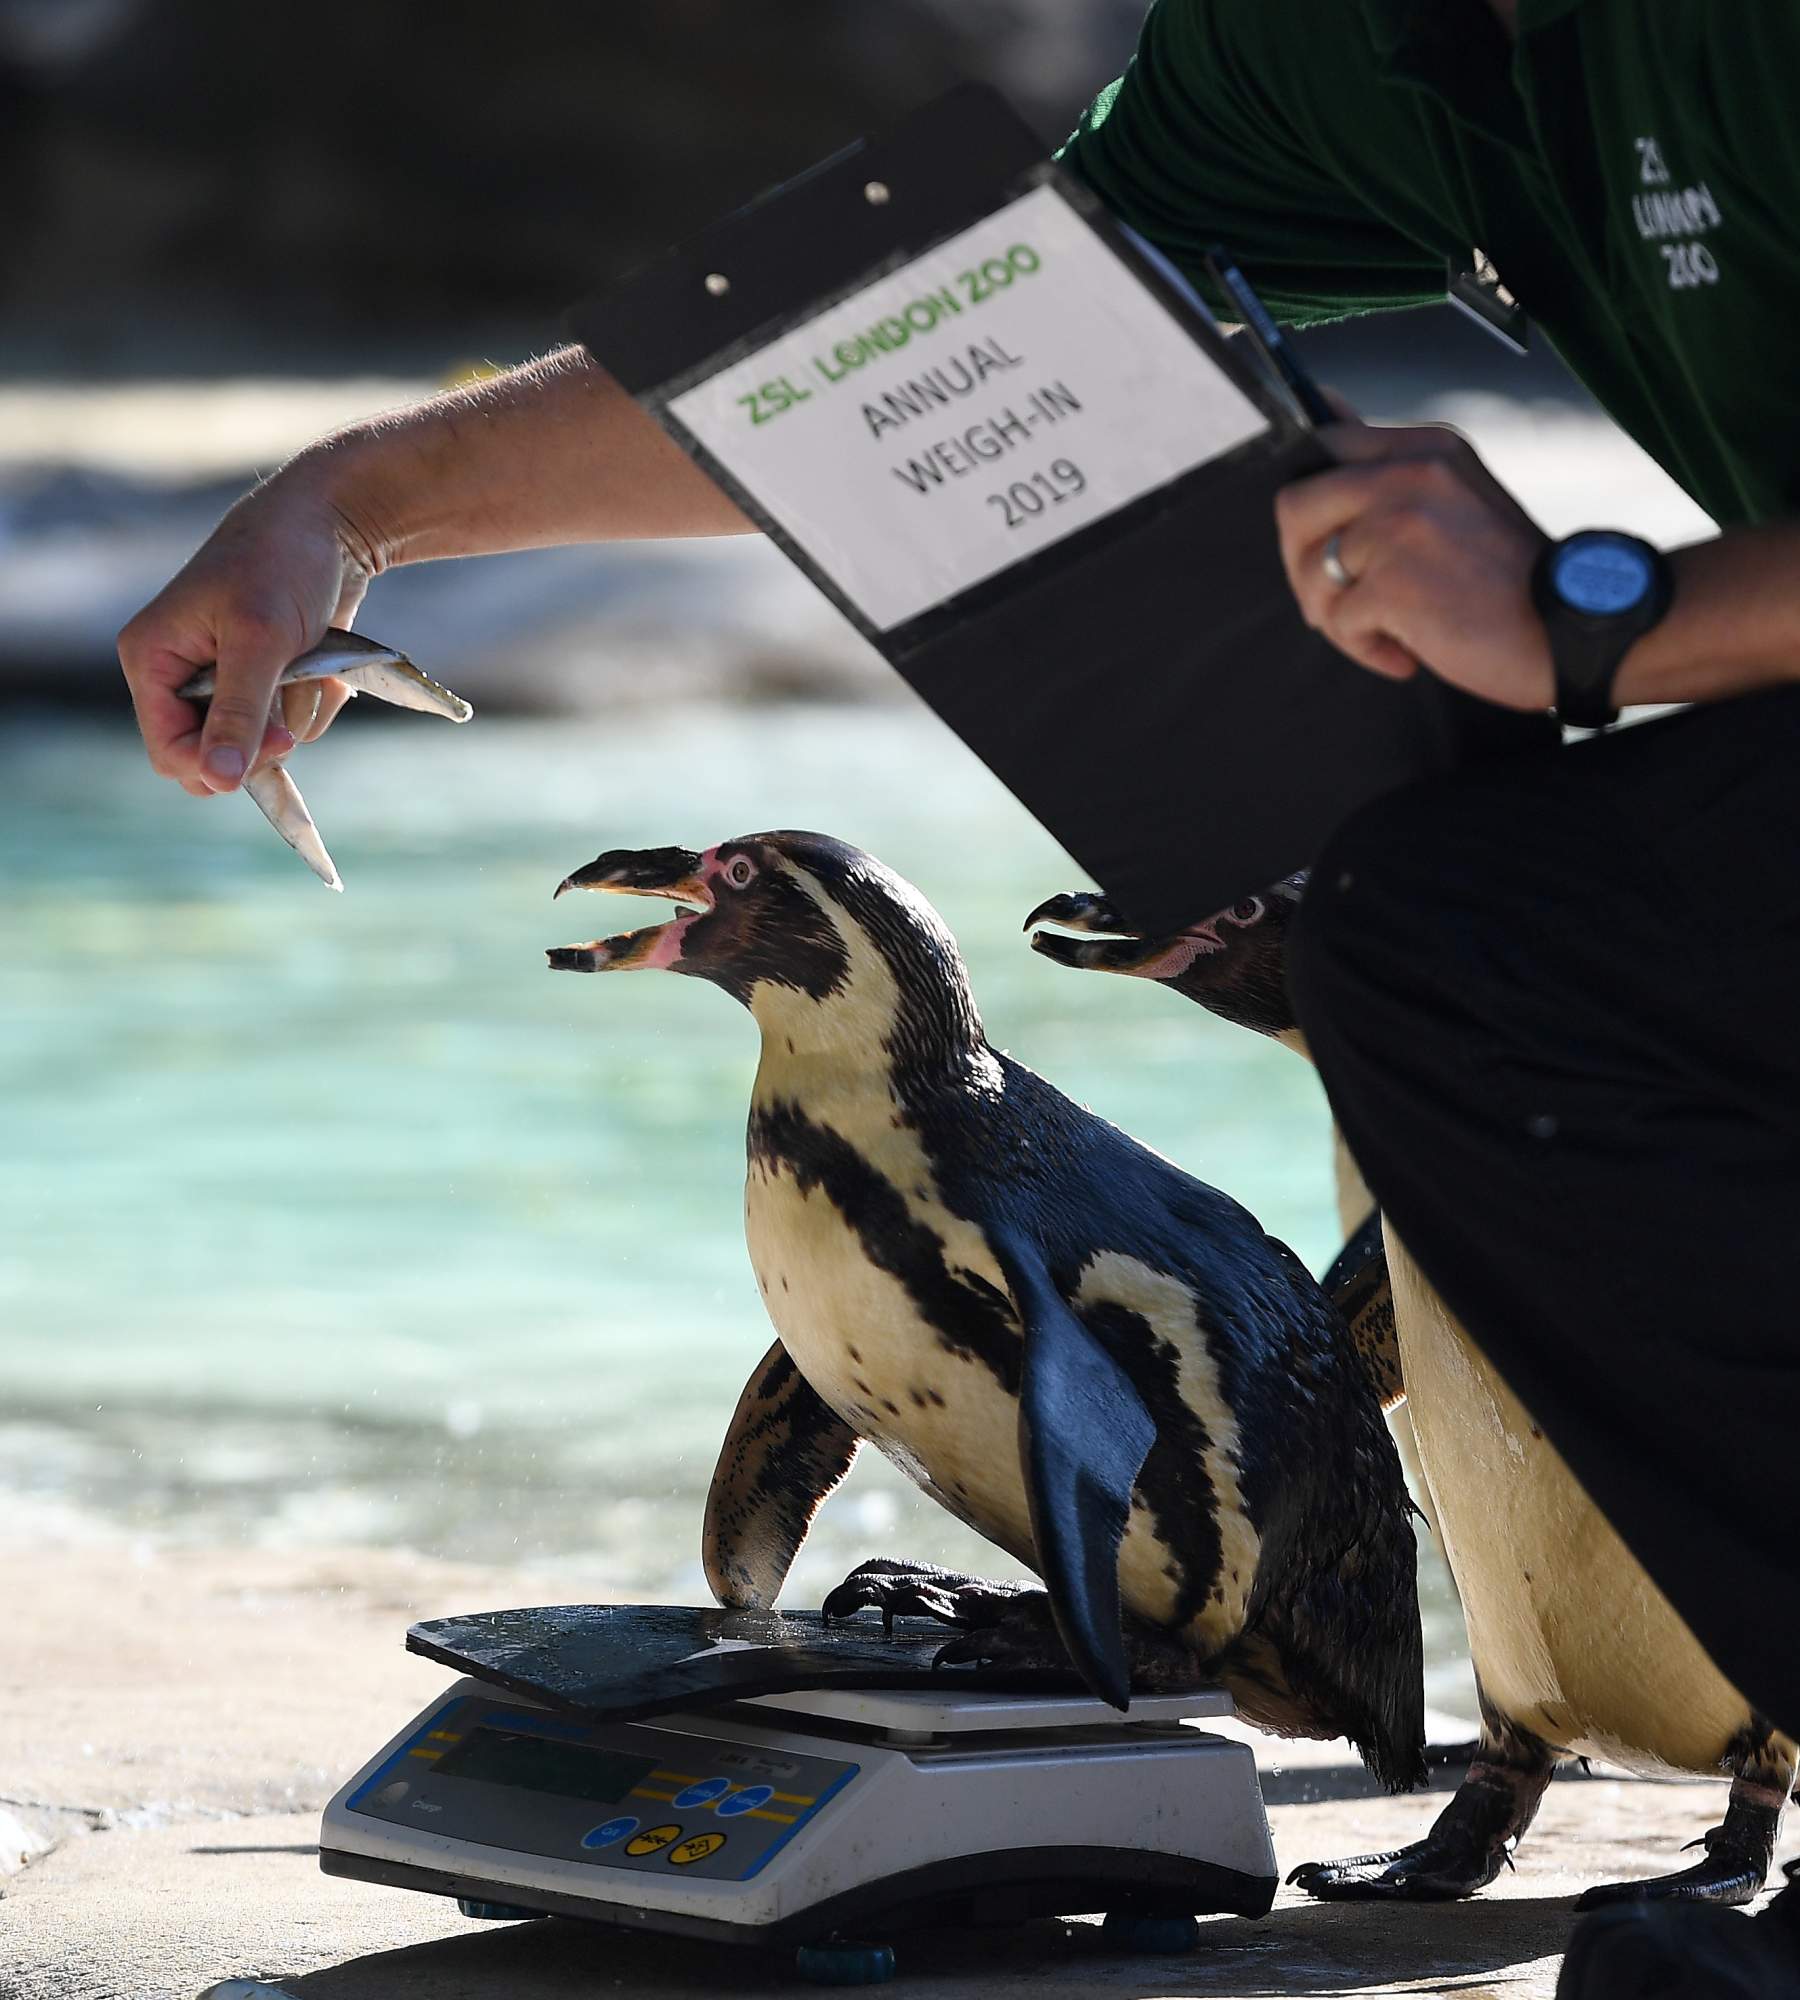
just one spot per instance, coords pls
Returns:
(798, 1815)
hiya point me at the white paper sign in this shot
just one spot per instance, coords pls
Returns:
(969, 409)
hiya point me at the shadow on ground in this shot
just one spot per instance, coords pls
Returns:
(1310, 1784)
(1310, 1949)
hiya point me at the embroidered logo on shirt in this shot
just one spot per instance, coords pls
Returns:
(1676, 219)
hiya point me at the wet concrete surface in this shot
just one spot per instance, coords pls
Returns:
(171, 1724)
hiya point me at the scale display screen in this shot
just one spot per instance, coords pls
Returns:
(680, 1805)
(543, 1764)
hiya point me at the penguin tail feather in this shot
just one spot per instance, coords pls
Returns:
(1368, 1606)
(1278, 1687)
(1336, 1649)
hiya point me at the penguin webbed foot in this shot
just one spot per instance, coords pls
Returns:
(1429, 1871)
(921, 1590)
(1025, 1637)
(1468, 1845)
(1007, 1625)
(1738, 1857)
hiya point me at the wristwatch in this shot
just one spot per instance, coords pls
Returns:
(1598, 592)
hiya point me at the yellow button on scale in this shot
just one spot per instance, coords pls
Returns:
(652, 1839)
(696, 1849)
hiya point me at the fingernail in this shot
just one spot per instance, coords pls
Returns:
(281, 740)
(224, 765)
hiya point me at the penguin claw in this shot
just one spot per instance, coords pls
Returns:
(1010, 1626)
(1739, 1853)
(1416, 1874)
(917, 1590)
(1022, 1643)
(1469, 1843)
(1729, 1879)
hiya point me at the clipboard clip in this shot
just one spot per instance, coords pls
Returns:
(1476, 292)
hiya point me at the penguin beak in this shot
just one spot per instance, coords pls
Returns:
(1087, 910)
(1110, 943)
(672, 873)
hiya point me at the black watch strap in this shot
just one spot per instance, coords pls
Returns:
(1598, 592)
(1584, 684)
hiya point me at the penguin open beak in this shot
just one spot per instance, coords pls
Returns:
(672, 873)
(1086, 910)
(1110, 944)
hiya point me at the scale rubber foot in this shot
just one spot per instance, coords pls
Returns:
(845, 1964)
(1146, 1937)
(493, 1913)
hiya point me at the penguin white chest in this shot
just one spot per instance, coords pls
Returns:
(861, 1338)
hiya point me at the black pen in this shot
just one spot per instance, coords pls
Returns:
(1268, 337)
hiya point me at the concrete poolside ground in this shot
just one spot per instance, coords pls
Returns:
(171, 1723)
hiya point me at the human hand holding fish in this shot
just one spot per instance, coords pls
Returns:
(365, 666)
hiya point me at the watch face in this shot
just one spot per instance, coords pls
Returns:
(1602, 574)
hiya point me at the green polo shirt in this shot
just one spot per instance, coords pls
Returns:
(1631, 167)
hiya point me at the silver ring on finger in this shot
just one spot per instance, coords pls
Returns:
(1331, 561)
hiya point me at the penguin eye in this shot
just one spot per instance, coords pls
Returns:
(1246, 912)
(740, 871)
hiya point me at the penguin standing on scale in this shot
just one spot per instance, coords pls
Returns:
(1100, 1364)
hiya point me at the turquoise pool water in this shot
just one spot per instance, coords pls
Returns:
(336, 1219)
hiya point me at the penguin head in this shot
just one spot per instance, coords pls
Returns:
(818, 939)
(1233, 964)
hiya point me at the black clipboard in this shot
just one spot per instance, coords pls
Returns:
(1143, 683)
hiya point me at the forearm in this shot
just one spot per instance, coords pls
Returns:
(553, 452)
(1734, 626)
(550, 453)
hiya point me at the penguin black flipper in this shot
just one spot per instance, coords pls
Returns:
(784, 1452)
(1359, 1285)
(1084, 1434)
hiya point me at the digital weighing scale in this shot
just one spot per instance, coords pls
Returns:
(777, 1795)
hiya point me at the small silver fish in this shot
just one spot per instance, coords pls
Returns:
(369, 668)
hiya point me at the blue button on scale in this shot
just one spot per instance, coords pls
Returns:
(605, 1836)
(745, 1801)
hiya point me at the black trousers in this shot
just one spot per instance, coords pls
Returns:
(1556, 1007)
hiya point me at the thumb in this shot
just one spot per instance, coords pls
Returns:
(1354, 442)
(251, 657)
